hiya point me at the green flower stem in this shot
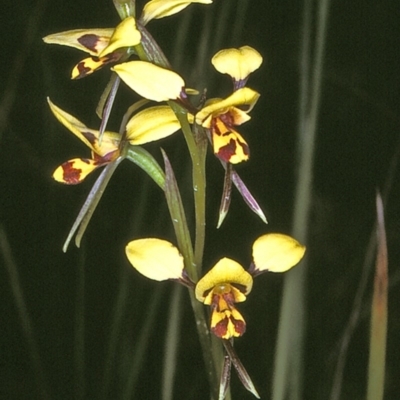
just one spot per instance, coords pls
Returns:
(197, 152)
(125, 8)
(148, 50)
(211, 357)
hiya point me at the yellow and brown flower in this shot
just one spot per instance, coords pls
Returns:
(226, 284)
(148, 125)
(104, 45)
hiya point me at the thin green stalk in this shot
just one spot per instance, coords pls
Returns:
(363, 282)
(148, 50)
(288, 371)
(197, 149)
(379, 311)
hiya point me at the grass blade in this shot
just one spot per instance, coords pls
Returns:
(288, 370)
(377, 346)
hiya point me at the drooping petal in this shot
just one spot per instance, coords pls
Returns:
(276, 252)
(228, 144)
(156, 9)
(75, 171)
(88, 136)
(242, 97)
(227, 324)
(91, 64)
(152, 124)
(125, 34)
(225, 271)
(91, 41)
(238, 63)
(155, 258)
(150, 81)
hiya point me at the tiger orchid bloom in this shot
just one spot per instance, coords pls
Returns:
(221, 116)
(105, 45)
(226, 284)
(110, 45)
(148, 125)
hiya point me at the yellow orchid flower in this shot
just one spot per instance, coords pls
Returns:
(221, 116)
(148, 125)
(109, 45)
(226, 283)
(105, 46)
(156, 9)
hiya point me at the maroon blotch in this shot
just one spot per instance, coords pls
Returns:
(89, 41)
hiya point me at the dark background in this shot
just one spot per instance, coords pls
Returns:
(60, 311)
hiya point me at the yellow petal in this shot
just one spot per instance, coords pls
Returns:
(276, 252)
(238, 63)
(156, 9)
(125, 35)
(152, 124)
(91, 41)
(225, 271)
(150, 81)
(90, 137)
(75, 171)
(228, 144)
(155, 258)
(242, 97)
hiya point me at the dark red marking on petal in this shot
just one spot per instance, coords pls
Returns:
(107, 158)
(230, 300)
(240, 287)
(83, 70)
(89, 41)
(245, 148)
(90, 137)
(215, 128)
(221, 328)
(240, 326)
(219, 127)
(71, 175)
(227, 119)
(226, 152)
